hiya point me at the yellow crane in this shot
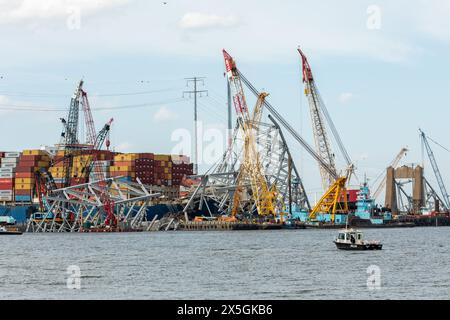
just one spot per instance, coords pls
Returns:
(335, 198)
(251, 169)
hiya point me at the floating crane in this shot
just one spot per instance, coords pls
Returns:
(335, 199)
(251, 168)
(393, 164)
(323, 146)
(336, 193)
(437, 173)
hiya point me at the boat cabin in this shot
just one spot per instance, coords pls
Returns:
(350, 235)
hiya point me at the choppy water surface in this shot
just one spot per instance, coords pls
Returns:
(282, 264)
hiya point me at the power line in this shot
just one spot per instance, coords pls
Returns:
(57, 109)
(58, 95)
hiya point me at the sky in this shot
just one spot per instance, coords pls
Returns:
(381, 68)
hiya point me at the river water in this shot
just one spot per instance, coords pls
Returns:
(278, 264)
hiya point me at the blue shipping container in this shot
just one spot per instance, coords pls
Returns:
(23, 198)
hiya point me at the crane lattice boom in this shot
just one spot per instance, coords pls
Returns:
(251, 168)
(437, 173)
(323, 146)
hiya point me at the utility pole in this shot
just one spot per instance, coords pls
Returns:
(195, 92)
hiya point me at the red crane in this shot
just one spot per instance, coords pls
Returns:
(90, 127)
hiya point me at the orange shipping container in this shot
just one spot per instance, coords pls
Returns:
(124, 163)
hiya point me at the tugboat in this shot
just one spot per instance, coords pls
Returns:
(351, 239)
(9, 231)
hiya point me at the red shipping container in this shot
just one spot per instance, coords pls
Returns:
(23, 192)
(24, 169)
(352, 195)
(146, 156)
(24, 175)
(30, 158)
(27, 163)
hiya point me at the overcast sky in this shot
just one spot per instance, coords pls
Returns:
(381, 66)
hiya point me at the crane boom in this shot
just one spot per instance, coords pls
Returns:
(393, 164)
(335, 199)
(90, 127)
(251, 167)
(288, 127)
(323, 146)
(435, 167)
(98, 143)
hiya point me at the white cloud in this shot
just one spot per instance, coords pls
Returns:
(197, 20)
(433, 19)
(23, 10)
(345, 97)
(164, 114)
(338, 31)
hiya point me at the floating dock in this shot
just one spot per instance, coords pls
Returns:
(223, 225)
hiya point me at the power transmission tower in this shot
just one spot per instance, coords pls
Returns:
(195, 92)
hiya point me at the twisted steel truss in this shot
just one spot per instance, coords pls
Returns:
(214, 194)
(80, 208)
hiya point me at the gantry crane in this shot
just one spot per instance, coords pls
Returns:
(393, 164)
(251, 168)
(437, 173)
(335, 199)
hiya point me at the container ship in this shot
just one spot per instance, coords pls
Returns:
(19, 198)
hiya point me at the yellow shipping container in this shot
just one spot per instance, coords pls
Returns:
(121, 168)
(31, 152)
(162, 157)
(126, 157)
(24, 181)
(24, 186)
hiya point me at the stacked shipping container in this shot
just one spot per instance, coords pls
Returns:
(163, 170)
(181, 167)
(8, 166)
(17, 170)
(29, 162)
(152, 169)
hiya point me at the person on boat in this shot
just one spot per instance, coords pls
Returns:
(352, 239)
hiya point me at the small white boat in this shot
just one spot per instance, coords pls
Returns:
(351, 239)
